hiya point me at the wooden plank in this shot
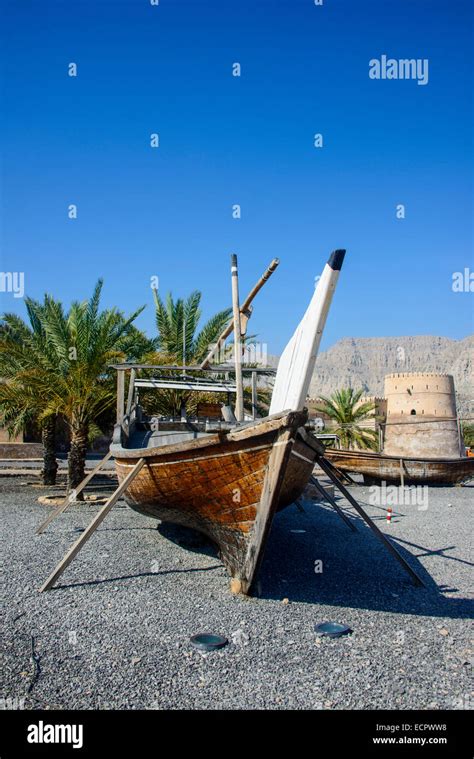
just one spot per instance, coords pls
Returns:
(268, 423)
(131, 391)
(214, 369)
(120, 395)
(402, 474)
(71, 497)
(188, 384)
(311, 441)
(57, 572)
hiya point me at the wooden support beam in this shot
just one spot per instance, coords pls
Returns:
(71, 497)
(344, 476)
(388, 545)
(244, 320)
(402, 474)
(314, 443)
(131, 391)
(254, 395)
(120, 395)
(100, 516)
(332, 501)
(239, 399)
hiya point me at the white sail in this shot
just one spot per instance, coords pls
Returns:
(296, 365)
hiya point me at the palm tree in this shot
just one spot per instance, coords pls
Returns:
(179, 341)
(177, 323)
(347, 413)
(71, 377)
(19, 405)
(467, 431)
(86, 341)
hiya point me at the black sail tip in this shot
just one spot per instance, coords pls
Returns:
(335, 260)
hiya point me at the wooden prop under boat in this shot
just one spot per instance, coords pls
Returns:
(229, 484)
(378, 467)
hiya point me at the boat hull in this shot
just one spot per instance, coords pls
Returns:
(227, 488)
(377, 467)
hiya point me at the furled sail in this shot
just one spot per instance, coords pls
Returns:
(296, 365)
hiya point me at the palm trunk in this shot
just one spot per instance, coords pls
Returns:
(77, 458)
(50, 465)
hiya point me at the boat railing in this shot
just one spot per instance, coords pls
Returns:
(193, 378)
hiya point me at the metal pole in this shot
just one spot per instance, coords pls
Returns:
(239, 400)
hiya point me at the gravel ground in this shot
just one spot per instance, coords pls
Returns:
(115, 633)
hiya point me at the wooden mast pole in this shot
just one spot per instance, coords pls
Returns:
(245, 309)
(120, 395)
(239, 399)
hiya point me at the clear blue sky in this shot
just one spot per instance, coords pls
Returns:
(247, 140)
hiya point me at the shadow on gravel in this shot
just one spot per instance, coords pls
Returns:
(357, 571)
(191, 540)
(108, 580)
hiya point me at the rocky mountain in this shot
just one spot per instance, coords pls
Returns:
(364, 361)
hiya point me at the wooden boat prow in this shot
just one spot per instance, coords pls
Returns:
(226, 485)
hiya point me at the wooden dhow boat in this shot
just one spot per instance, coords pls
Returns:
(227, 480)
(377, 467)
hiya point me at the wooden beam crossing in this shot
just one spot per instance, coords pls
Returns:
(100, 516)
(71, 497)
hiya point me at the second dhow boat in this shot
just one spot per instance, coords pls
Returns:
(228, 484)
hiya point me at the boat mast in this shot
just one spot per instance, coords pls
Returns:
(239, 397)
(245, 309)
(184, 344)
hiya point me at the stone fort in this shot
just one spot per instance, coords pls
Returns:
(421, 419)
